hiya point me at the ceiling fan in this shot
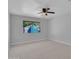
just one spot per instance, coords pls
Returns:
(46, 11)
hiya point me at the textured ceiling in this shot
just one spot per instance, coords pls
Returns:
(32, 7)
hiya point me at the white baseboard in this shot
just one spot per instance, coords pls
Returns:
(63, 42)
(26, 42)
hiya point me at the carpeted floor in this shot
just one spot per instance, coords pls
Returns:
(41, 50)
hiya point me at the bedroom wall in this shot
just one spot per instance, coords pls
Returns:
(16, 30)
(60, 29)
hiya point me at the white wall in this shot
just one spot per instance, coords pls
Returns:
(16, 30)
(60, 29)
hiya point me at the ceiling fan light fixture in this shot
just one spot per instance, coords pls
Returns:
(45, 11)
(46, 14)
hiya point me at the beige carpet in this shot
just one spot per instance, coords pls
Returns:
(41, 50)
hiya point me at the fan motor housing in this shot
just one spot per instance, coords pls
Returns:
(44, 10)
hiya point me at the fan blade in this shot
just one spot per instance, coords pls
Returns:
(51, 12)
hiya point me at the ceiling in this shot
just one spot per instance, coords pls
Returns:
(31, 8)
